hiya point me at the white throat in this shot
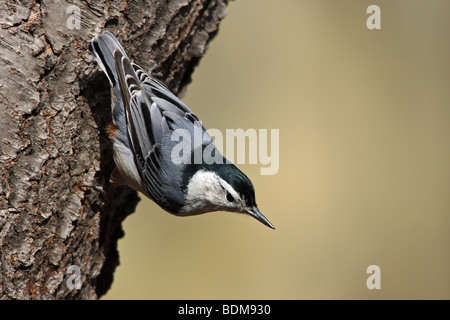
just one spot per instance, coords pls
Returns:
(207, 192)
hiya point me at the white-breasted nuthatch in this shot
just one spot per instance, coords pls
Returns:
(145, 117)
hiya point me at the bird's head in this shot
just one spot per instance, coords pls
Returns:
(221, 187)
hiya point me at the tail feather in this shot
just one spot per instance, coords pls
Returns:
(103, 47)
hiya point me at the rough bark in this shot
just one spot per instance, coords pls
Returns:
(57, 206)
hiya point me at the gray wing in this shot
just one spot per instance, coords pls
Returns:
(151, 110)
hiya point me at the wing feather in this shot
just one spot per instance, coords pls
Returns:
(150, 110)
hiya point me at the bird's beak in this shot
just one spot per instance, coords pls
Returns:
(254, 212)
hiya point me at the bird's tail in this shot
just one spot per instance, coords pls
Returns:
(103, 47)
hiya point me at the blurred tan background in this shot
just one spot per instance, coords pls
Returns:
(364, 176)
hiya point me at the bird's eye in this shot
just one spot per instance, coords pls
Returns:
(230, 197)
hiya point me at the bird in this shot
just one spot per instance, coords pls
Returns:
(154, 144)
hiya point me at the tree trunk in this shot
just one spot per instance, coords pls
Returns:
(60, 218)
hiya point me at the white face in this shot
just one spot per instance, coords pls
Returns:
(207, 192)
